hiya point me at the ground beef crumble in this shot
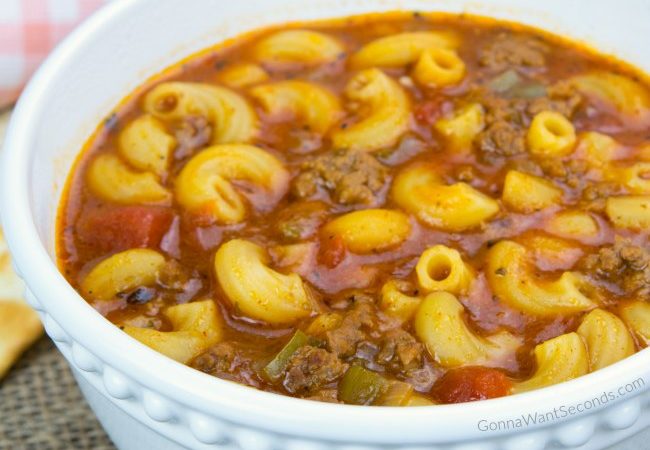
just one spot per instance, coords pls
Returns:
(344, 339)
(401, 350)
(561, 97)
(504, 134)
(508, 49)
(229, 361)
(501, 138)
(623, 263)
(571, 172)
(349, 176)
(312, 368)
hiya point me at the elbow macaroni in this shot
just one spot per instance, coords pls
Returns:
(560, 359)
(599, 149)
(527, 193)
(550, 134)
(511, 278)
(395, 303)
(146, 145)
(122, 272)
(637, 316)
(312, 104)
(324, 323)
(441, 268)
(296, 258)
(196, 327)
(553, 251)
(204, 185)
(606, 337)
(440, 326)
(243, 75)
(626, 95)
(298, 46)
(232, 117)
(255, 289)
(634, 177)
(111, 179)
(385, 110)
(401, 49)
(370, 230)
(461, 129)
(573, 225)
(629, 211)
(458, 207)
(439, 67)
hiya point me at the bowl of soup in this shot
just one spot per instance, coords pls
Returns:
(343, 224)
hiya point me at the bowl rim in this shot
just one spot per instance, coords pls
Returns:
(212, 396)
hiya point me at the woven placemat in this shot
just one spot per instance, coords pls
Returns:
(41, 407)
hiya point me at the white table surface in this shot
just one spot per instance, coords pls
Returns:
(639, 442)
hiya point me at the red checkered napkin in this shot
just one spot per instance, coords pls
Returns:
(29, 29)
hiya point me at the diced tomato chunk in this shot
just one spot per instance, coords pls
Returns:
(332, 251)
(466, 384)
(123, 227)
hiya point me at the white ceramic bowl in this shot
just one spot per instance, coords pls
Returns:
(145, 400)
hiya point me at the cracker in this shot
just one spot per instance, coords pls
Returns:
(19, 324)
(19, 328)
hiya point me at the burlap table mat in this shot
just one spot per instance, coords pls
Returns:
(41, 406)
